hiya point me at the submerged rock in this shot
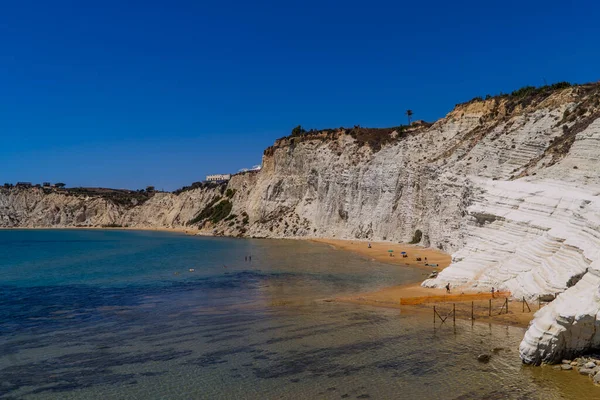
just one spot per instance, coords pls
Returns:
(586, 371)
(566, 367)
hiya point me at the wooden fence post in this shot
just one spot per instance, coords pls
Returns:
(433, 315)
(526, 303)
(472, 311)
(490, 309)
(506, 305)
(454, 313)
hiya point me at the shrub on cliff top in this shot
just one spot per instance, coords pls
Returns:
(194, 185)
(375, 137)
(525, 92)
(299, 130)
(127, 198)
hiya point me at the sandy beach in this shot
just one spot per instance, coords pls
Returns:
(415, 298)
(380, 251)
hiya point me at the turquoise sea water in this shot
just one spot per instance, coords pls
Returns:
(88, 314)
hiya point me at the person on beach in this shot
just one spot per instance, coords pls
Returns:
(492, 291)
(249, 258)
(246, 258)
(369, 245)
(448, 287)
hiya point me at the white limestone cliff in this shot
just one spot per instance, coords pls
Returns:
(569, 326)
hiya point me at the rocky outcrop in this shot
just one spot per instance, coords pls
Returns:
(569, 326)
(38, 208)
(509, 185)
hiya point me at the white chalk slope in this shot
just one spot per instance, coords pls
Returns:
(539, 235)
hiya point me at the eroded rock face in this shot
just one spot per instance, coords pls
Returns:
(510, 186)
(33, 208)
(567, 327)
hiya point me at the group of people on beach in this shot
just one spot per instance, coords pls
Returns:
(448, 289)
(248, 258)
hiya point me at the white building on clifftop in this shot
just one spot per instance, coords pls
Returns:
(218, 178)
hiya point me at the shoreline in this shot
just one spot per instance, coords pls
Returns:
(418, 299)
(413, 298)
(192, 232)
(387, 297)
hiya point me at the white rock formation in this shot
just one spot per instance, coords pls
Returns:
(567, 327)
(541, 235)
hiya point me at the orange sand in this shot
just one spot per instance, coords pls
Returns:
(415, 298)
(379, 252)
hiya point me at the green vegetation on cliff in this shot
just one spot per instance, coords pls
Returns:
(214, 211)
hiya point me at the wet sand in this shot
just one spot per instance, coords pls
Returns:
(415, 298)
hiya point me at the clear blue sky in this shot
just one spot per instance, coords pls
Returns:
(135, 93)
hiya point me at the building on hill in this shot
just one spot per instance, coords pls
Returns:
(218, 178)
(46, 184)
(23, 184)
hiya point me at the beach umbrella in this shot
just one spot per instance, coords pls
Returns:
(403, 252)
(390, 251)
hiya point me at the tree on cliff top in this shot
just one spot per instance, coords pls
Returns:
(299, 130)
(409, 114)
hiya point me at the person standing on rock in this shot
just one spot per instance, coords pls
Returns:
(448, 287)
(492, 291)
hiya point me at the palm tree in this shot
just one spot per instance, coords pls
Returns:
(409, 114)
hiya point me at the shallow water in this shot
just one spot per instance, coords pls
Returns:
(117, 314)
